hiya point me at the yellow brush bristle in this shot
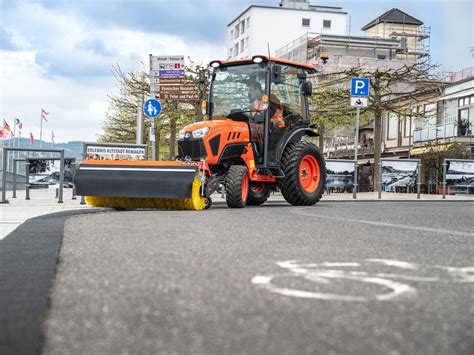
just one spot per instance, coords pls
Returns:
(196, 202)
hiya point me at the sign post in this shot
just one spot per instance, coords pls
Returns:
(359, 93)
(152, 109)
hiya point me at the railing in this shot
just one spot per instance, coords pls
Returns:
(344, 150)
(440, 131)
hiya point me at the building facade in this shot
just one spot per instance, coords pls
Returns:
(260, 28)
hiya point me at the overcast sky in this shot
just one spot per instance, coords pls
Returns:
(57, 54)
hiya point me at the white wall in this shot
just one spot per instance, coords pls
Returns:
(278, 27)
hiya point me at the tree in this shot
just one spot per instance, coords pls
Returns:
(432, 161)
(120, 122)
(388, 87)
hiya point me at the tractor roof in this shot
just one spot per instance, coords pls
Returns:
(309, 67)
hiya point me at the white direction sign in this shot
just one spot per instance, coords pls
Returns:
(359, 101)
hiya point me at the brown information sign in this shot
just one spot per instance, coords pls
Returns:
(178, 89)
(179, 96)
(175, 81)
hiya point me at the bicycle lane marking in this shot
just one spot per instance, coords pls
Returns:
(315, 273)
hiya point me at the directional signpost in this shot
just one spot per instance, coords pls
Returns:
(359, 98)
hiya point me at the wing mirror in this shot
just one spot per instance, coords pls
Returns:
(307, 88)
(276, 74)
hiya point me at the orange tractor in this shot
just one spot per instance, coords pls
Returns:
(254, 141)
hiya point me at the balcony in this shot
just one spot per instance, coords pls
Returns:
(441, 132)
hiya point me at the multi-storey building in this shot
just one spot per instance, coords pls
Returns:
(259, 29)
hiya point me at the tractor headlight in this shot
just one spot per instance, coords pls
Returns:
(181, 134)
(201, 132)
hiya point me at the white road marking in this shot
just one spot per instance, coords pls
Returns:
(384, 224)
(396, 263)
(317, 273)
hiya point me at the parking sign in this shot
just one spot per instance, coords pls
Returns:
(360, 87)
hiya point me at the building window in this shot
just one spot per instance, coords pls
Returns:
(242, 27)
(232, 34)
(403, 42)
(229, 53)
(236, 50)
(248, 22)
(241, 46)
(327, 24)
(407, 126)
(236, 31)
(392, 127)
(246, 42)
(306, 22)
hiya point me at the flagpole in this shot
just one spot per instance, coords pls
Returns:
(52, 143)
(41, 125)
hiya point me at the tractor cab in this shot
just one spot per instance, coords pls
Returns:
(269, 94)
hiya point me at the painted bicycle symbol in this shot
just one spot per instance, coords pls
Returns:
(397, 279)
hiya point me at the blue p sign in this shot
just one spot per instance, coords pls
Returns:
(360, 87)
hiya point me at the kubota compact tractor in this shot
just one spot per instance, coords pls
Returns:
(254, 141)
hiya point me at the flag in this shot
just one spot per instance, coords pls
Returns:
(20, 126)
(1, 134)
(17, 121)
(44, 115)
(32, 139)
(6, 128)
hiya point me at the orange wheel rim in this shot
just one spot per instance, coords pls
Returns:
(245, 187)
(309, 173)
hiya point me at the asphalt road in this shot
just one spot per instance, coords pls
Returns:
(364, 278)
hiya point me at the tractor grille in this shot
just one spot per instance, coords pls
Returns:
(193, 148)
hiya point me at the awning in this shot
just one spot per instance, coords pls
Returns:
(426, 149)
(458, 94)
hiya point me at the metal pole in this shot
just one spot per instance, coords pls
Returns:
(27, 180)
(4, 173)
(84, 156)
(61, 177)
(140, 121)
(379, 183)
(418, 181)
(409, 133)
(14, 178)
(354, 189)
(444, 178)
(152, 140)
(41, 127)
(356, 146)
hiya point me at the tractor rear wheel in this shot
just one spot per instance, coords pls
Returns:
(305, 174)
(258, 193)
(237, 186)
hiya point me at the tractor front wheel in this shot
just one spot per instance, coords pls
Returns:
(305, 174)
(237, 186)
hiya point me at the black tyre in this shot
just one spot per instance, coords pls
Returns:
(305, 174)
(237, 186)
(258, 193)
(208, 203)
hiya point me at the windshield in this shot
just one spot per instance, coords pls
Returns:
(230, 88)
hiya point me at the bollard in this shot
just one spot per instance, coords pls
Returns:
(14, 178)
(27, 182)
(379, 183)
(57, 193)
(4, 174)
(61, 177)
(418, 181)
(444, 178)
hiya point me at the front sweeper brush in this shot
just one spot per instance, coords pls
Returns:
(131, 185)
(256, 139)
